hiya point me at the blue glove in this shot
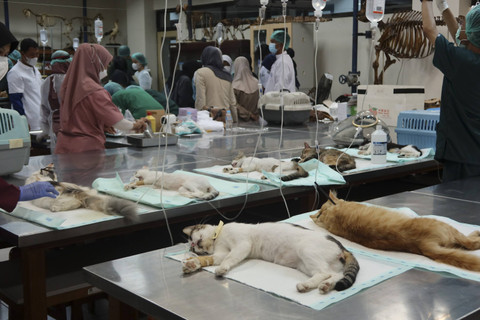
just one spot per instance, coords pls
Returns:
(36, 190)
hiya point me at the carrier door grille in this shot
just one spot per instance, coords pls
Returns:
(6, 123)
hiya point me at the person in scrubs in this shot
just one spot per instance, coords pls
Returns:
(24, 84)
(142, 74)
(87, 108)
(458, 131)
(282, 73)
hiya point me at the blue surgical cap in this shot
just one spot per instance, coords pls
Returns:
(15, 55)
(472, 26)
(124, 51)
(279, 36)
(140, 57)
(112, 87)
(60, 56)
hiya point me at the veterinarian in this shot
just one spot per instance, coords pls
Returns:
(12, 194)
(142, 73)
(87, 108)
(458, 131)
(136, 100)
(282, 74)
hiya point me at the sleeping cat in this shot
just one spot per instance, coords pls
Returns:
(195, 187)
(405, 151)
(242, 163)
(329, 156)
(380, 228)
(72, 196)
(320, 257)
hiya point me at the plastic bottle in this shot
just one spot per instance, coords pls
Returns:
(188, 117)
(352, 105)
(228, 121)
(152, 120)
(98, 30)
(375, 11)
(379, 146)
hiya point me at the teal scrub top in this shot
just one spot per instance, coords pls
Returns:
(458, 131)
(136, 100)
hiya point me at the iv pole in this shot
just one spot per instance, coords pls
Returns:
(354, 41)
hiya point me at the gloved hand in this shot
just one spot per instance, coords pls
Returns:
(442, 5)
(37, 190)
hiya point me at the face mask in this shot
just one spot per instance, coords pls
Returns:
(3, 67)
(103, 74)
(134, 66)
(227, 68)
(32, 61)
(272, 48)
(457, 38)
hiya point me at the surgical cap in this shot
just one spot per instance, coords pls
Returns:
(472, 26)
(15, 55)
(124, 51)
(279, 36)
(60, 56)
(113, 87)
(140, 58)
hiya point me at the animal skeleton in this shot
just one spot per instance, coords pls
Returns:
(402, 38)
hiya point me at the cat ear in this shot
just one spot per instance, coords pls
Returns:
(188, 230)
(333, 195)
(306, 145)
(51, 166)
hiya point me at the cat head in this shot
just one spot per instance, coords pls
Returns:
(140, 174)
(307, 153)
(238, 160)
(320, 215)
(200, 238)
(44, 174)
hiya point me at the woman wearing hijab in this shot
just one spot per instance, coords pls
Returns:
(182, 92)
(87, 108)
(245, 87)
(213, 84)
(50, 107)
(8, 43)
(119, 72)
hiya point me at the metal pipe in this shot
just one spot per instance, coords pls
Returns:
(354, 40)
(85, 31)
(5, 9)
(189, 20)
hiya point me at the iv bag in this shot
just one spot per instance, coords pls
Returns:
(98, 30)
(43, 37)
(219, 30)
(319, 4)
(375, 10)
(75, 44)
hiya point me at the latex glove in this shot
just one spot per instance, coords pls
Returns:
(36, 190)
(442, 5)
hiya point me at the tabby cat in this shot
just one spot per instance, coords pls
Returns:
(384, 229)
(405, 151)
(330, 157)
(320, 257)
(72, 196)
(242, 163)
(196, 187)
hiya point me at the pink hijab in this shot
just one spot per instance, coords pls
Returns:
(243, 79)
(82, 78)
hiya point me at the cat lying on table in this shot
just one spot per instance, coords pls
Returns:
(405, 151)
(384, 229)
(328, 264)
(331, 157)
(72, 196)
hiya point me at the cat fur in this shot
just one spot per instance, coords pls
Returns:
(329, 157)
(405, 151)
(196, 187)
(241, 163)
(72, 196)
(320, 257)
(384, 229)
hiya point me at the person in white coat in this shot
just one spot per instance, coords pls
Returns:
(282, 73)
(142, 73)
(24, 82)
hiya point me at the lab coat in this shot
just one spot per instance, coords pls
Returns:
(144, 79)
(282, 72)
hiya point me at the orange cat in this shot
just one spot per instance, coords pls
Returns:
(380, 228)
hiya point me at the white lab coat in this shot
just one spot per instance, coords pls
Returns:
(27, 80)
(144, 79)
(282, 72)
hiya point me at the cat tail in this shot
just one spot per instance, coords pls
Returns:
(113, 206)
(299, 173)
(349, 273)
(454, 257)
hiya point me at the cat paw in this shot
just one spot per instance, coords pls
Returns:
(303, 287)
(263, 178)
(191, 265)
(56, 208)
(325, 286)
(221, 271)
(227, 170)
(129, 187)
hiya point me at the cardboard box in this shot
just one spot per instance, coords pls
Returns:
(157, 114)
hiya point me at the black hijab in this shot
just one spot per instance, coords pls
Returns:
(212, 59)
(7, 37)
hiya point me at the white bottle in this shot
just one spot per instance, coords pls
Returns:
(375, 11)
(228, 121)
(379, 146)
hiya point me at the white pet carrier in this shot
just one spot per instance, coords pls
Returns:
(14, 141)
(296, 107)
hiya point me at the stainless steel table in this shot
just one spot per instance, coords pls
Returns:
(35, 242)
(155, 285)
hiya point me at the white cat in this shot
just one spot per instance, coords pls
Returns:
(195, 187)
(291, 169)
(72, 196)
(405, 151)
(320, 257)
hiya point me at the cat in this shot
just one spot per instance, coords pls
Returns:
(331, 157)
(196, 187)
(242, 163)
(320, 257)
(404, 151)
(72, 196)
(384, 229)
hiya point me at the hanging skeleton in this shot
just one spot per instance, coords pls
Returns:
(402, 38)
